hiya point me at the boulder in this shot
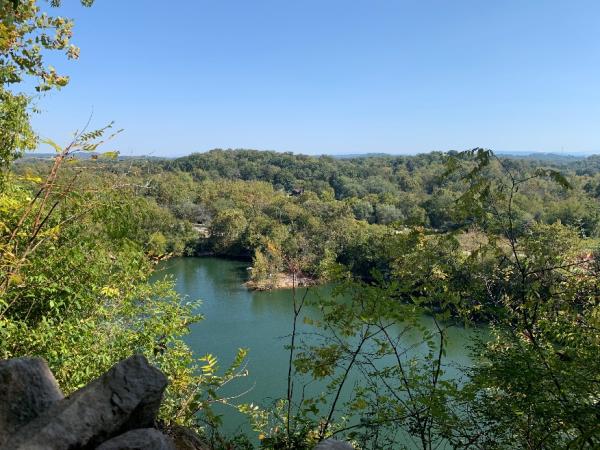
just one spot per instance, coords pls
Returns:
(27, 388)
(142, 439)
(332, 444)
(124, 398)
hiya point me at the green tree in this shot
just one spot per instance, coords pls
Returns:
(537, 385)
(74, 277)
(157, 244)
(26, 36)
(226, 230)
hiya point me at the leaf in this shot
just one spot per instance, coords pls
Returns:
(52, 144)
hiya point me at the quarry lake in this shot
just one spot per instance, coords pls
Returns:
(236, 317)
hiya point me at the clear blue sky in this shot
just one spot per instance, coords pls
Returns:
(334, 76)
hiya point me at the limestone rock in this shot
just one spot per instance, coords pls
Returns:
(332, 444)
(126, 397)
(142, 439)
(27, 388)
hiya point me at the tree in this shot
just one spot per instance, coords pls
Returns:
(537, 385)
(74, 277)
(387, 214)
(226, 230)
(157, 244)
(26, 35)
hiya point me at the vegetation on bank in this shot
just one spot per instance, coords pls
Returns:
(268, 207)
(467, 236)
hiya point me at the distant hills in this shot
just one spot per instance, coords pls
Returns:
(542, 156)
(83, 155)
(538, 156)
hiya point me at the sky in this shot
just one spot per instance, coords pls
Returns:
(333, 76)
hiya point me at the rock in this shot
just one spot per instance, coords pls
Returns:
(186, 438)
(27, 388)
(142, 439)
(124, 398)
(332, 444)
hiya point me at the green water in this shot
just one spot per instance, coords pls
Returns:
(260, 321)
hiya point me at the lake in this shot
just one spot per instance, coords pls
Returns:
(260, 321)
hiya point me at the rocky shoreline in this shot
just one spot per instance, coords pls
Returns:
(281, 281)
(117, 411)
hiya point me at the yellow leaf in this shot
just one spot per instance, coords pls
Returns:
(52, 144)
(109, 291)
(16, 279)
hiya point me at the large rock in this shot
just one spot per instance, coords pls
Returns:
(332, 444)
(126, 397)
(143, 439)
(27, 388)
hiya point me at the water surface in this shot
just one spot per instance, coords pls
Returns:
(260, 321)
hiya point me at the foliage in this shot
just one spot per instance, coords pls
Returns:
(460, 237)
(537, 384)
(27, 35)
(533, 381)
(473, 237)
(75, 289)
(281, 206)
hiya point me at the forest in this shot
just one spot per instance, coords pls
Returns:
(288, 213)
(468, 238)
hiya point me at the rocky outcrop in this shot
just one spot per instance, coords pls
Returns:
(139, 440)
(117, 411)
(27, 389)
(125, 398)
